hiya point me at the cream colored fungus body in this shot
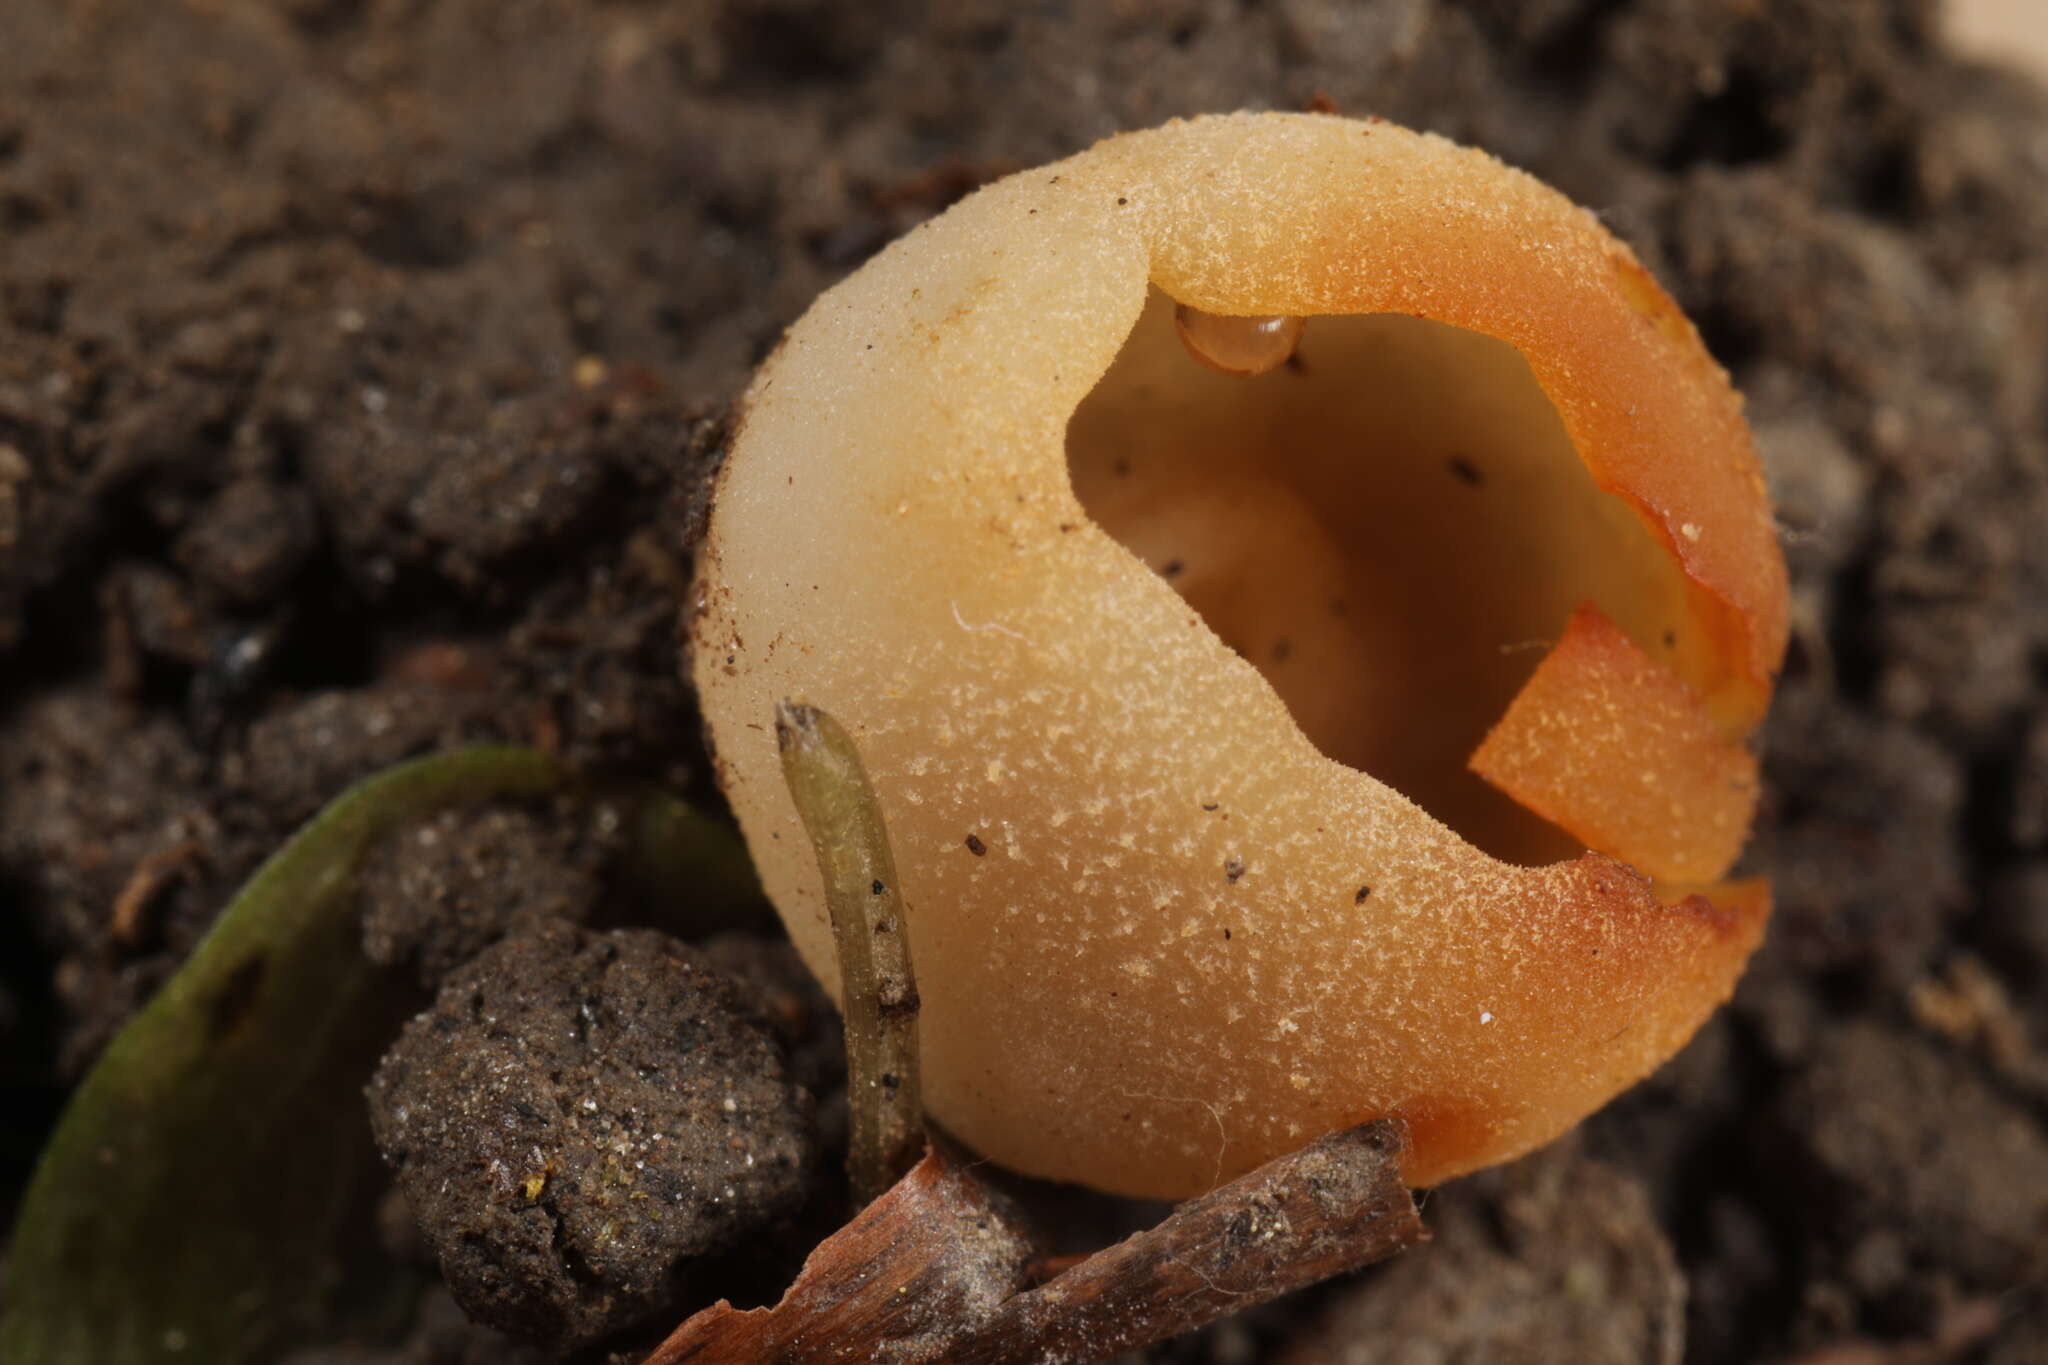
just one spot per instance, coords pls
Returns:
(1190, 941)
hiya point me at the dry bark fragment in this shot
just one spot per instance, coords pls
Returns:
(1335, 1205)
(930, 1271)
(933, 1258)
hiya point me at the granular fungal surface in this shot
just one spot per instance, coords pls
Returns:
(360, 365)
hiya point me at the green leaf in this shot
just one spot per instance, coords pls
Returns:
(189, 1204)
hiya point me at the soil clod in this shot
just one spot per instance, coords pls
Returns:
(580, 1120)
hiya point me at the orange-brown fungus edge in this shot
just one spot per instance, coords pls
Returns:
(1609, 744)
(894, 538)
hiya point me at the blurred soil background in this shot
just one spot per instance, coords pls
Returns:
(359, 361)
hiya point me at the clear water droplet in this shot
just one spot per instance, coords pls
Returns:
(1237, 346)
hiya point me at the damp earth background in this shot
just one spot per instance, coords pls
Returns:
(358, 362)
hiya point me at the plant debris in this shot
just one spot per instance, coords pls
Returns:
(878, 991)
(219, 1122)
(934, 1269)
(937, 1255)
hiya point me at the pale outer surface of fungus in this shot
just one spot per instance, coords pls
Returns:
(1181, 941)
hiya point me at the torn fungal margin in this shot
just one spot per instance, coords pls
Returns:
(1407, 594)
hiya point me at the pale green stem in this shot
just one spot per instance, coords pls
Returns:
(878, 993)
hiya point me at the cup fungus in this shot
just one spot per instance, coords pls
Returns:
(1357, 732)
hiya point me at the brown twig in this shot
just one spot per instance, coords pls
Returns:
(936, 1256)
(1333, 1206)
(932, 1270)
(878, 993)
(151, 875)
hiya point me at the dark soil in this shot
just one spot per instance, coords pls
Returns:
(1560, 1259)
(441, 891)
(581, 1121)
(360, 361)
